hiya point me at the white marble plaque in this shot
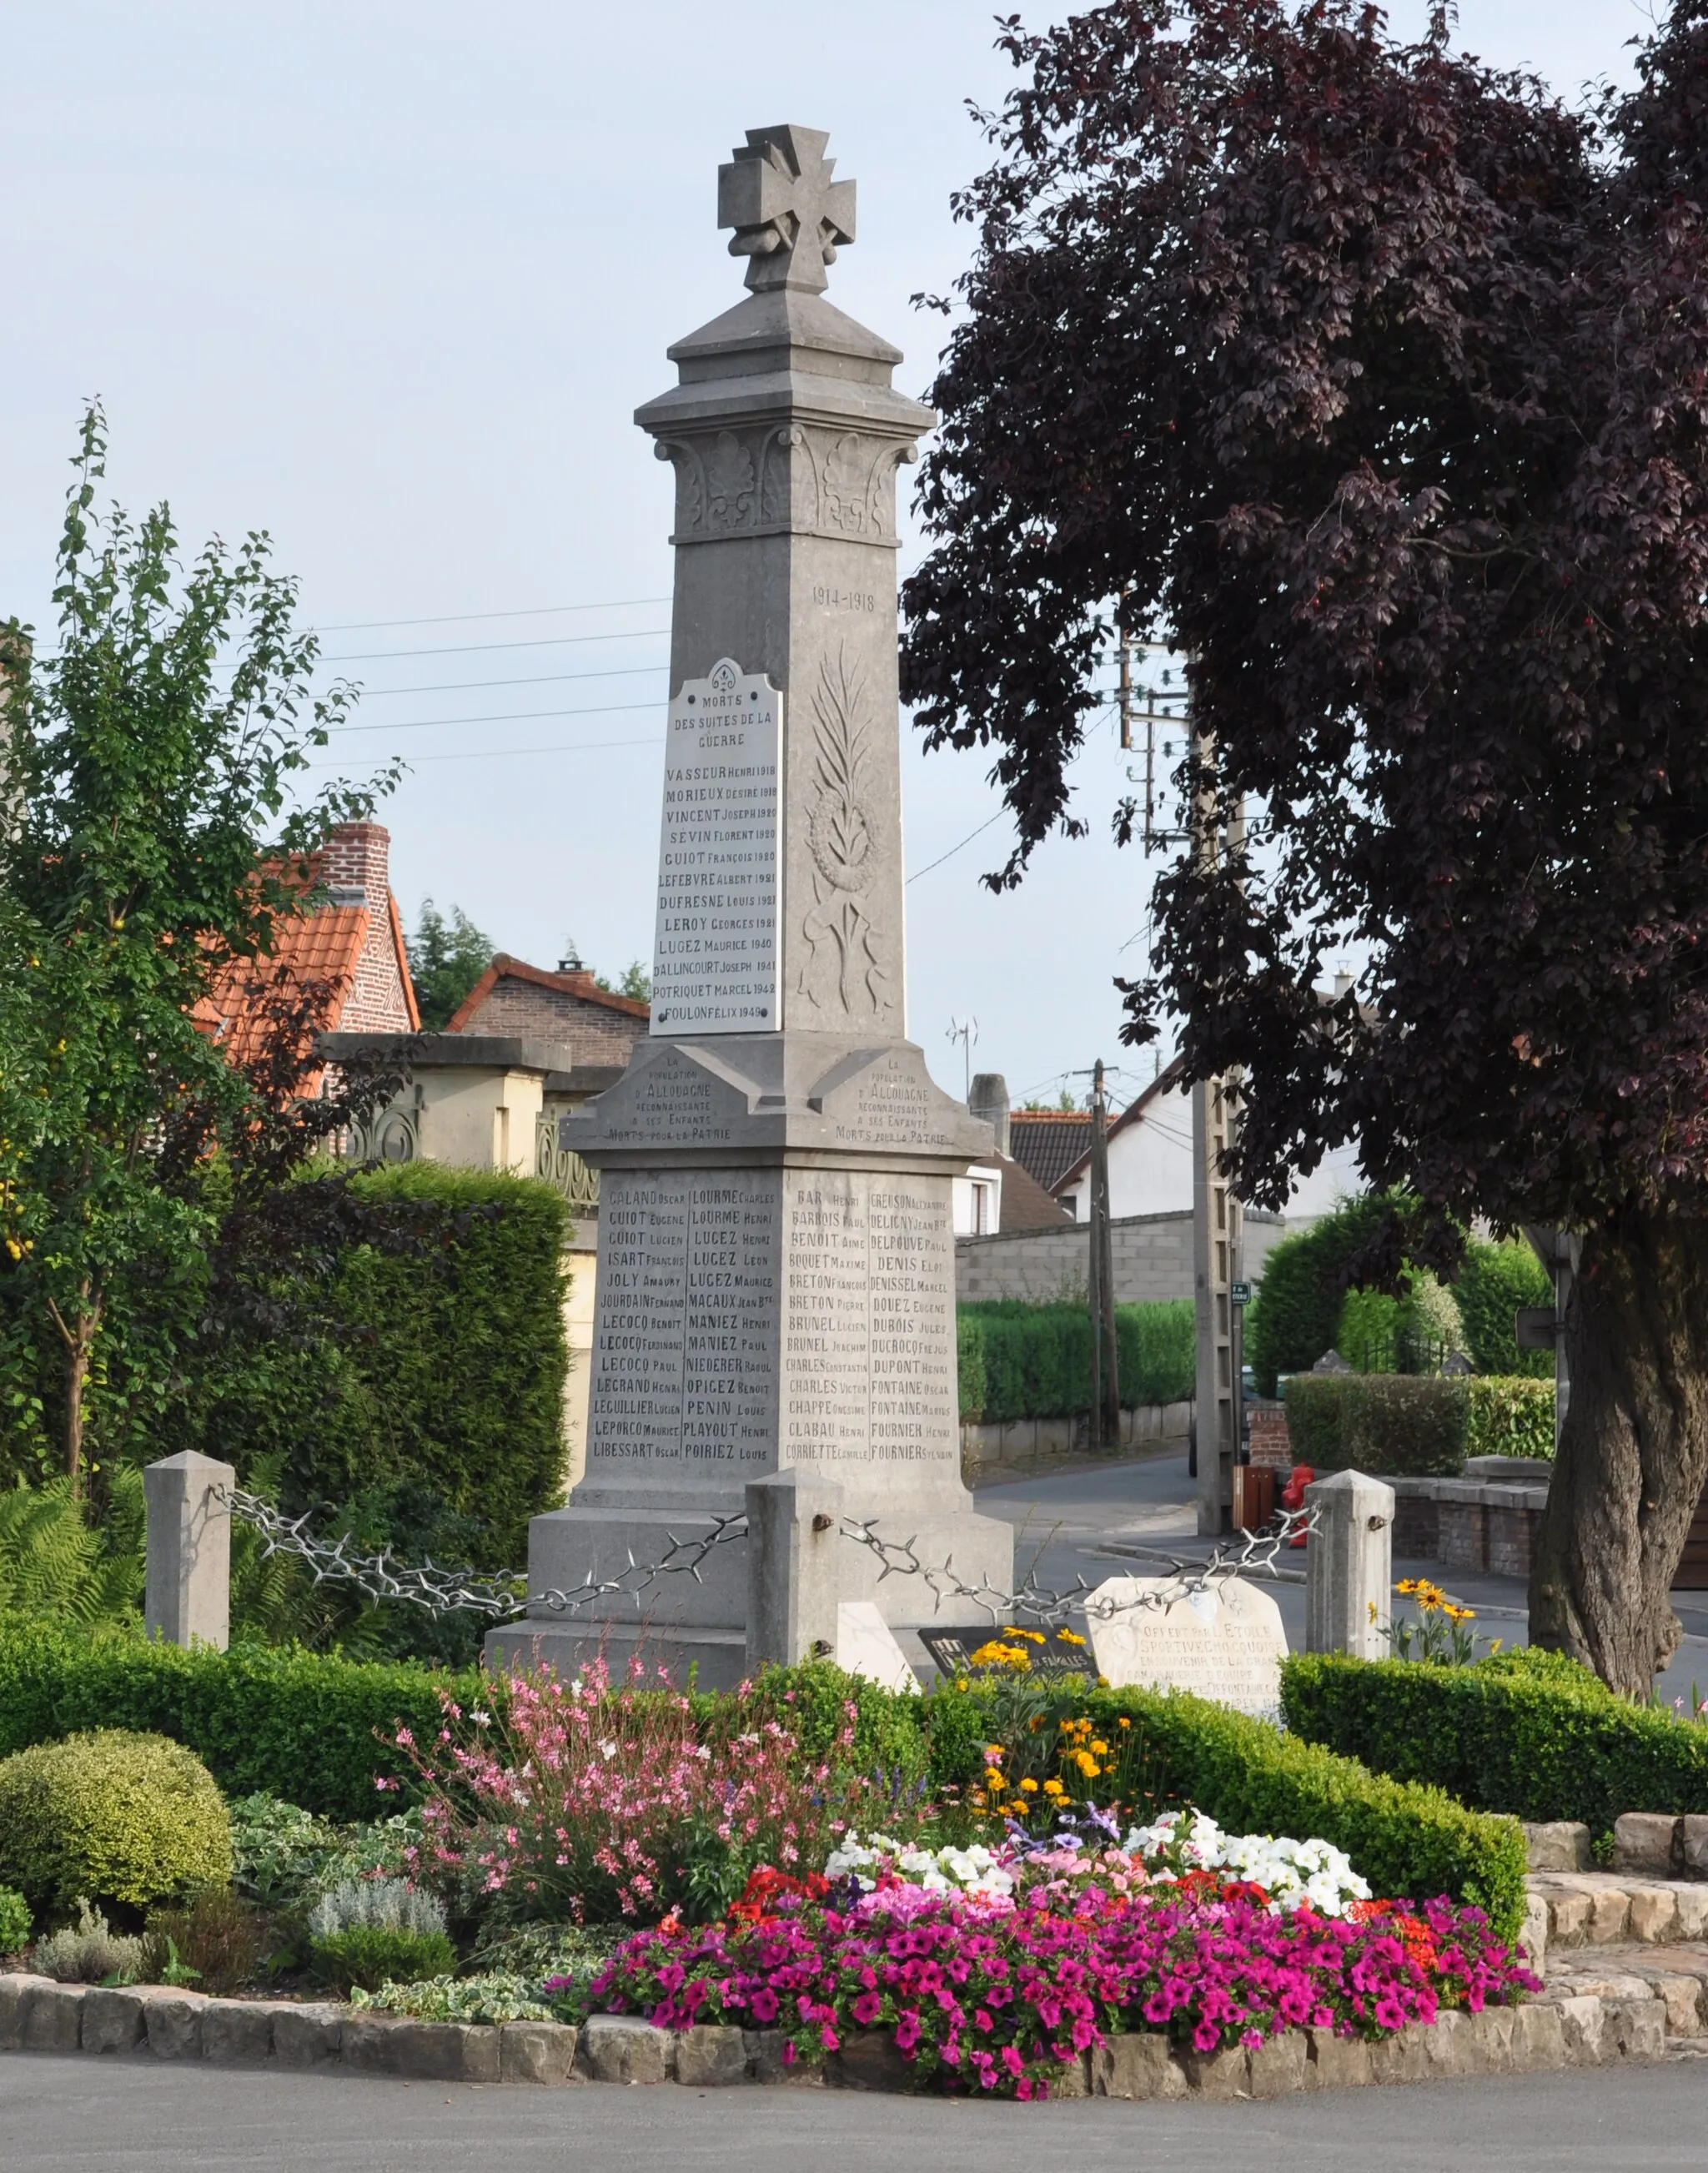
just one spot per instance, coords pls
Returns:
(715, 950)
(1226, 1643)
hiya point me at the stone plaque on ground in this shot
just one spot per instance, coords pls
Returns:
(1047, 1652)
(714, 952)
(1225, 1643)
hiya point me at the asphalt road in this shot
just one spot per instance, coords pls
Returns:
(67, 2113)
(1067, 1526)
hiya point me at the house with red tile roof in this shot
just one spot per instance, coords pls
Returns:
(351, 943)
(567, 1007)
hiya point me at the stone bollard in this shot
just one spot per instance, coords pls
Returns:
(189, 1587)
(1348, 1567)
(795, 1567)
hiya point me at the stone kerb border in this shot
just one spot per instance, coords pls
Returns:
(38, 2015)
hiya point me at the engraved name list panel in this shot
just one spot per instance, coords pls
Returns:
(716, 950)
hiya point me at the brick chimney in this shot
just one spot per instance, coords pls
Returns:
(356, 857)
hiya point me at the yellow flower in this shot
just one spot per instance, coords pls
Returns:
(994, 1780)
(1087, 1765)
(1029, 1785)
(1122, 1721)
(1070, 1638)
(1458, 1614)
(1054, 1789)
(1100, 1746)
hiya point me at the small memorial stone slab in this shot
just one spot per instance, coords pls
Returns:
(975, 1651)
(1225, 1643)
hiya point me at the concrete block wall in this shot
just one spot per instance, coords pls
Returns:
(1152, 1260)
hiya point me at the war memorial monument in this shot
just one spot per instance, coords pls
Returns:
(776, 1284)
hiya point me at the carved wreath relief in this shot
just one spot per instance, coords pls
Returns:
(840, 967)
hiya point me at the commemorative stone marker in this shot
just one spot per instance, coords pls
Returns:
(777, 1268)
(1225, 1643)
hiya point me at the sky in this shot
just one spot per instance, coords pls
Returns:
(389, 281)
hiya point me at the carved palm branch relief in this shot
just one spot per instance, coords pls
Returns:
(841, 969)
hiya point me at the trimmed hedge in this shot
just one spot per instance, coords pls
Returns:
(310, 1727)
(1019, 1360)
(1529, 1732)
(1414, 1425)
(1408, 1839)
(306, 1726)
(446, 1377)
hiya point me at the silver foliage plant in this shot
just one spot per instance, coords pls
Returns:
(391, 1904)
(88, 1952)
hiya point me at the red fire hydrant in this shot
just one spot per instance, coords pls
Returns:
(1293, 1495)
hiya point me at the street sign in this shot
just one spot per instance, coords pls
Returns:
(1239, 1293)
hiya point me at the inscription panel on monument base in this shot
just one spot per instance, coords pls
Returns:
(868, 1339)
(714, 950)
(684, 1349)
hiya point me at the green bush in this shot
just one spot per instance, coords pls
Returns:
(1529, 1732)
(1295, 1313)
(1389, 1424)
(1411, 1335)
(312, 1727)
(446, 1374)
(1019, 1360)
(1493, 1282)
(112, 1816)
(14, 1920)
(1504, 1417)
(1401, 1426)
(1408, 1841)
(368, 1956)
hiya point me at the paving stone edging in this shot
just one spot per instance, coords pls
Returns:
(37, 2015)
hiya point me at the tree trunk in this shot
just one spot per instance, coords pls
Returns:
(1633, 1453)
(79, 1334)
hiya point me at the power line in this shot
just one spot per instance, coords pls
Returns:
(954, 849)
(494, 717)
(456, 618)
(499, 754)
(537, 679)
(478, 648)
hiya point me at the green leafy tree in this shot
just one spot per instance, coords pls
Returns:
(147, 856)
(1493, 1283)
(446, 958)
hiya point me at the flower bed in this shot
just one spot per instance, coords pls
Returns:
(997, 1995)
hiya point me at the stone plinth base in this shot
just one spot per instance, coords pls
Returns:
(680, 1618)
(718, 1657)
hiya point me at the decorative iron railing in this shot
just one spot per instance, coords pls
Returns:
(562, 1167)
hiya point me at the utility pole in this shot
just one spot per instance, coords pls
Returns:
(1100, 1281)
(1217, 1238)
(1126, 690)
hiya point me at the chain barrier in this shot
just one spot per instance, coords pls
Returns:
(501, 1593)
(504, 1594)
(1255, 1554)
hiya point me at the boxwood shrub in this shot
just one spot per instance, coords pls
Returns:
(306, 1726)
(1529, 1732)
(1415, 1426)
(1407, 1839)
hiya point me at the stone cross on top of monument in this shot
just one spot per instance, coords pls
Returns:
(788, 213)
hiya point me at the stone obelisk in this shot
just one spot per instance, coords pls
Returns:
(777, 1266)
